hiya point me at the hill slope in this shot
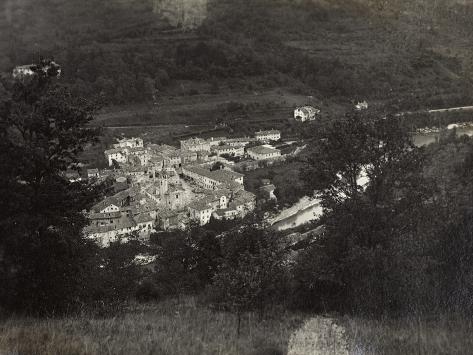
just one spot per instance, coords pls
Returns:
(131, 50)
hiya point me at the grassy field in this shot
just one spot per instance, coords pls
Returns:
(185, 327)
(207, 108)
(443, 335)
(171, 327)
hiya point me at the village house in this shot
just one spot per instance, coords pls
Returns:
(243, 202)
(263, 153)
(203, 209)
(222, 204)
(47, 66)
(188, 157)
(123, 213)
(195, 144)
(360, 106)
(203, 156)
(93, 173)
(227, 213)
(173, 159)
(305, 113)
(144, 223)
(213, 141)
(239, 141)
(129, 143)
(267, 136)
(141, 154)
(266, 192)
(72, 175)
(22, 71)
(118, 155)
(105, 218)
(211, 179)
(104, 235)
(235, 151)
(201, 212)
(168, 220)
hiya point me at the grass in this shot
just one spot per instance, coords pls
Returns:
(443, 335)
(170, 327)
(183, 326)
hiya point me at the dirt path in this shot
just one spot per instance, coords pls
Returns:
(318, 336)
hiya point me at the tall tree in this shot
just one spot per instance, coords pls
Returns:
(44, 257)
(372, 251)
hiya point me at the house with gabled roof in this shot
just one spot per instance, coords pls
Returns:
(306, 113)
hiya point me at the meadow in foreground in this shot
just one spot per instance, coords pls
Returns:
(183, 326)
(170, 327)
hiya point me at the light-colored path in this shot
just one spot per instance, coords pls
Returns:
(318, 336)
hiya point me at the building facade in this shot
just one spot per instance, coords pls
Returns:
(263, 153)
(267, 136)
(305, 113)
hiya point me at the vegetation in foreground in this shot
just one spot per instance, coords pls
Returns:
(416, 335)
(174, 326)
(184, 326)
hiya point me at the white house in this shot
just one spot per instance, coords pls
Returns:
(267, 136)
(262, 153)
(118, 155)
(48, 67)
(217, 204)
(211, 179)
(242, 141)
(214, 141)
(305, 113)
(129, 143)
(236, 151)
(363, 105)
(23, 71)
(201, 211)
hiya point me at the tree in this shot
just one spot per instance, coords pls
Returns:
(252, 274)
(217, 166)
(45, 260)
(362, 143)
(186, 260)
(371, 258)
(119, 275)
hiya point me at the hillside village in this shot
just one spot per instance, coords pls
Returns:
(161, 187)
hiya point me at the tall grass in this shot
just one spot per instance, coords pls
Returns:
(446, 335)
(170, 327)
(182, 326)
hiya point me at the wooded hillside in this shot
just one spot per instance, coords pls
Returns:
(408, 53)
